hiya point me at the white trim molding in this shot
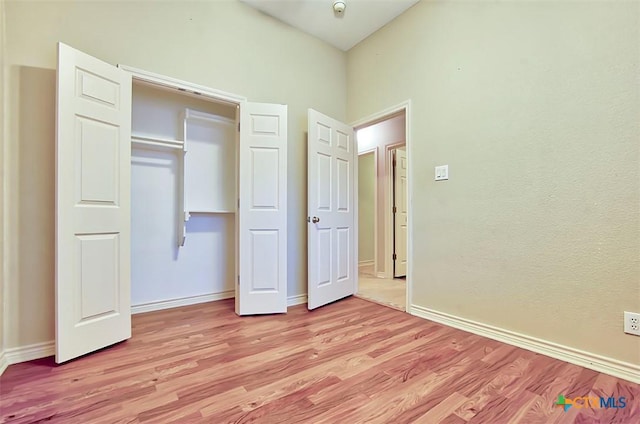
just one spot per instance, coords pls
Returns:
(368, 262)
(4, 363)
(624, 370)
(297, 300)
(193, 300)
(15, 355)
(185, 301)
(381, 115)
(183, 86)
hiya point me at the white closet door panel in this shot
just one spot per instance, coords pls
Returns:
(92, 204)
(262, 282)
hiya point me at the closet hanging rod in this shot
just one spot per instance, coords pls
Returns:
(158, 142)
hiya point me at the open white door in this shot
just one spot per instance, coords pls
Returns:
(332, 259)
(262, 226)
(400, 213)
(93, 298)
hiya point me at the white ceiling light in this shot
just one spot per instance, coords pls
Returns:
(339, 6)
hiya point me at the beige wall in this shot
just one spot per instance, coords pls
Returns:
(366, 206)
(379, 137)
(535, 108)
(220, 44)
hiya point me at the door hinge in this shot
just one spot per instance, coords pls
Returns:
(394, 209)
(394, 257)
(238, 126)
(238, 280)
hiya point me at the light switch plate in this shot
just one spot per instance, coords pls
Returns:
(442, 172)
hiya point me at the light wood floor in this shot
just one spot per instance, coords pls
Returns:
(349, 362)
(390, 292)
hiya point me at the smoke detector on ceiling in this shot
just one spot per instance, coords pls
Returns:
(339, 6)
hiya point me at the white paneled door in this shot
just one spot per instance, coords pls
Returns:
(262, 279)
(331, 223)
(93, 159)
(400, 213)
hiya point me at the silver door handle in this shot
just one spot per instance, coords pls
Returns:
(315, 219)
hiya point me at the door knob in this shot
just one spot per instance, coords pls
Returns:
(315, 219)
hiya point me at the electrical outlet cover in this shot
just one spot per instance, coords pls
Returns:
(632, 323)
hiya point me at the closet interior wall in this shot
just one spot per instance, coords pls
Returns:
(161, 269)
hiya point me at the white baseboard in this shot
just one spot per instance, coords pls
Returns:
(624, 370)
(185, 301)
(193, 300)
(366, 263)
(16, 355)
(3, 362)
(297, 300)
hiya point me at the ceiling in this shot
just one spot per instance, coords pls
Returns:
(360, 19)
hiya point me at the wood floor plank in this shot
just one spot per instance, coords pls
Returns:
(442, 410)
(452, 419)
(543, 408)
(514, 411)
(352, 361)
(509, 373)
(405, 404)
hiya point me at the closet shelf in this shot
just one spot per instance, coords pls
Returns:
(211, 212)
(157, 141)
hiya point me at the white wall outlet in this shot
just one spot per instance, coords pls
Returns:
(442, 172)
(632, 323)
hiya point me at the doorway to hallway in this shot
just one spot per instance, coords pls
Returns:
(382, 210)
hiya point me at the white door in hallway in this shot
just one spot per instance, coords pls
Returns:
(332, 261)
(400, 213)
(93, 158)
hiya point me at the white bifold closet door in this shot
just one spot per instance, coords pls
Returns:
(93, 185)
(93, 299)
(262, 280)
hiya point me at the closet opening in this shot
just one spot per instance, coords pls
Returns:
(184, 179)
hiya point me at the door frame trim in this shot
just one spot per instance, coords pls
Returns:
(375, 118)
(184, 87)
